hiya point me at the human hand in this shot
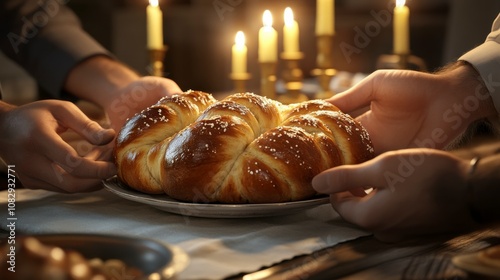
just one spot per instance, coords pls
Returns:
(415, 192)
(410, 109)
(116, 88)
(137, 96)
(31, 140)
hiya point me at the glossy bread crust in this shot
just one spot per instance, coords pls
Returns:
(243, 149)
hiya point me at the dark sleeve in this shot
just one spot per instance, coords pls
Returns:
(45, 37)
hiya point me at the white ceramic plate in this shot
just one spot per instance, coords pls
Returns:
(210, 210)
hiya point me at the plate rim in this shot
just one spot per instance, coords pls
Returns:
(161, 201)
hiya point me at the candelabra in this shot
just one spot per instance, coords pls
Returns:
(401, 61)
(324, 61)
(292, 76)
(268, 79)
(240, 81)
(156, 57)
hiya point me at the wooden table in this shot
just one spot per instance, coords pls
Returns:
(367, 258)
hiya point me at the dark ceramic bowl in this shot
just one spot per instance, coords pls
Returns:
(158, 261)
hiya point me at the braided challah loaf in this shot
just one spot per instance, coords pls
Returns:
(243, 149)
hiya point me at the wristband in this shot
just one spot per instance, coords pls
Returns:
(475, 214)
(473, 165)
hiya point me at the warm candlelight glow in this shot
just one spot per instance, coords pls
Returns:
(267, 18)
(239, 39)
(268, 39)
(401, 28)
(154, 25)
(239, 53)
(290, 33)
(289, 16)
(325, 17)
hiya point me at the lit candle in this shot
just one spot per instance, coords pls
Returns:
(268, 39)
(290, 33)
(155, 25)
(401, 28)
(239, 52)
(325, 17)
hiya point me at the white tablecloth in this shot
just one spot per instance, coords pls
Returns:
(217, 248)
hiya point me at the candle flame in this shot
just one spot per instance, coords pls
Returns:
(239, 39)
(153, 3)
(400, 3)
(288, 16)
(267, 18)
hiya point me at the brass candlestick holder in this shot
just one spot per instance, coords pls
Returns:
(292, 76)
(268, 79)
(156, 57)
(240, 81)
(324, 61)
(401, 61)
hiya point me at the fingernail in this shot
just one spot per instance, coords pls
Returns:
(318, 183)
(105, 136)
(109, 172)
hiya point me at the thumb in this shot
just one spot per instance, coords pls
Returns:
(72, 117)
(349, 178)
(355, 98)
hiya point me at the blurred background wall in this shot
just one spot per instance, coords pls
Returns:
(199, 35)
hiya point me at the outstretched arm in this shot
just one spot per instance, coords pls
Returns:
(65, 59)
(413, 109)
(116, 88)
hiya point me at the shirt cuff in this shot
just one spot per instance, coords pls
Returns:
(486, 60)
